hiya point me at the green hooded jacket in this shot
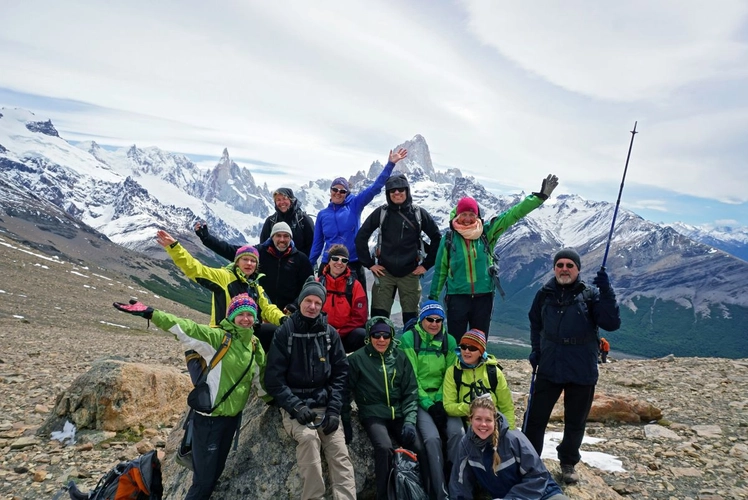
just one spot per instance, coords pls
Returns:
(430, 364)
(206, 340)
(464, 267)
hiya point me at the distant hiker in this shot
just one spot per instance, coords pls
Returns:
(474, 374)
(564, 321)
(465, 261)
(340, 220)
(346, 305)
(400, 256)
(226, 282)
(287, 210)
(284, 268)
(604, 350)
(384, 386)
(228, 385)
(307, 375)
(501, 462)
(431, 350)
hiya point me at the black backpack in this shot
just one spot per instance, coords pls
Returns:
(348, 287)
(404, 482)
(493, 381)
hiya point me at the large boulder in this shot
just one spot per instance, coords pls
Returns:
(614, 408)
(116, 396)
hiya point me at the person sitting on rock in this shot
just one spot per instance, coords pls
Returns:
(500, 461)
(226, 282)
(478, 373)
(241, 368)
(382, 382)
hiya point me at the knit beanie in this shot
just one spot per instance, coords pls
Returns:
(431, 308)
(342, 182)
(467, 204)
(280, 227)
(568, 253)
(247, 250)
(475, 337)
(239, 304)
(338, 250)
(312, 287)
(380, 327)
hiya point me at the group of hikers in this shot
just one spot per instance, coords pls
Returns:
(301, 335)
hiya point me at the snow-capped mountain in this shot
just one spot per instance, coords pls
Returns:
(733, 240)
(670, 285)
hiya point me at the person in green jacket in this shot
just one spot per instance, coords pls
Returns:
(230, 381)
(241, 276)
(382, 382)
(465, 259)
(473, 365)
(431, 350)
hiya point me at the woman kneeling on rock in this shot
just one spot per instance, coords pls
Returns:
(227, 385)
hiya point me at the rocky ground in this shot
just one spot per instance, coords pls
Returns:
(56, 320)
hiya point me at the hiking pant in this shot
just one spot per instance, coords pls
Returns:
(577, 404)
(265, 333)
(465, 312)
(309, 444)
(353, 340)
(383, 295)
(455, 431)
(211, 443)
(380, 432)
(432, 445)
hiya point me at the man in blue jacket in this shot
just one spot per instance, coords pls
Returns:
(564, 321)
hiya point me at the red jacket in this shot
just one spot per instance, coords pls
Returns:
(341, 314)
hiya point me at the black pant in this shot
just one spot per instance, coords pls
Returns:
(577, 404)
(380, 432)
(465, 312)
(353, 340)
(265, 334)
(211, 443)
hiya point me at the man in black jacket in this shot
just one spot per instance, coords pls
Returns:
(283, 269)
(287, 210)
(564, 321)
(401, 256)
(306, 374)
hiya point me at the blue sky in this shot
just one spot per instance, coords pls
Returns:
(507, 92)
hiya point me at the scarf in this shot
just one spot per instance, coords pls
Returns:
(471, 232)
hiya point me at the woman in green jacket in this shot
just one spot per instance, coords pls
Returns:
(478, 373)
(230, 381)
(382, 382)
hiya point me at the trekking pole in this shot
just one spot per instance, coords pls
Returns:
(618, 202)
(529, 400)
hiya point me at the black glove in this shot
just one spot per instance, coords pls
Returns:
(534, 359)
(601, 280)
(201, 230)
(136, 308)
(408, 435)
(348, 431)
(331, 424)
(304, 415)
(438, 414)
(290, 308)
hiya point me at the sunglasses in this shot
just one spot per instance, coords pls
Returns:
(338, 258)
(338, 190)
(434, 320)
(568, 265)
(397, 190)
(381, 335)
(470, 348)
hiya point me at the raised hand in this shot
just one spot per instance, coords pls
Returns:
(135, 308)
(399, 155)
(601, 280)
(164, 239)
(201, 229)
(549, 184)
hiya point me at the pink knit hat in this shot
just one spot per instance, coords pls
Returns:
(467, 204)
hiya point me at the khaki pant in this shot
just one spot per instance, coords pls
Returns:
(309, 460)
(383, 292)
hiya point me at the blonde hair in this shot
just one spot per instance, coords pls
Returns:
(486, 403)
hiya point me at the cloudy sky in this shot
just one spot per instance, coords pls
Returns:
(506, 91)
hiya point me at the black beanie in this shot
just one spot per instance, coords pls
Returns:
(568, 253)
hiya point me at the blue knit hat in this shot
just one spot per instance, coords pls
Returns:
(341, 181)
(431, 308)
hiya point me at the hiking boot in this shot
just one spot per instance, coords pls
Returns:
(568, 474)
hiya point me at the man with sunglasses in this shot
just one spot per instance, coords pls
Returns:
(399, 263)
(340, 220)
(564, 321)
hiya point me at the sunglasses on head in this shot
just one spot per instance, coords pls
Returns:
(338, 190)
(568, 265)
(434, 320)
(466, 347)
(381, 335)
(397, 190)
(338, 258)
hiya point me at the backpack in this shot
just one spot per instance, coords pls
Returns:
(422, 251)
(138, 479)
(493, 259)
(196, 364)
(411, 325)
(348, 287)
(493, 381)
(404, 482)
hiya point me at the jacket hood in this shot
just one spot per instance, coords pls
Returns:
(398, 181)
(236, 331)
(288, 192)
